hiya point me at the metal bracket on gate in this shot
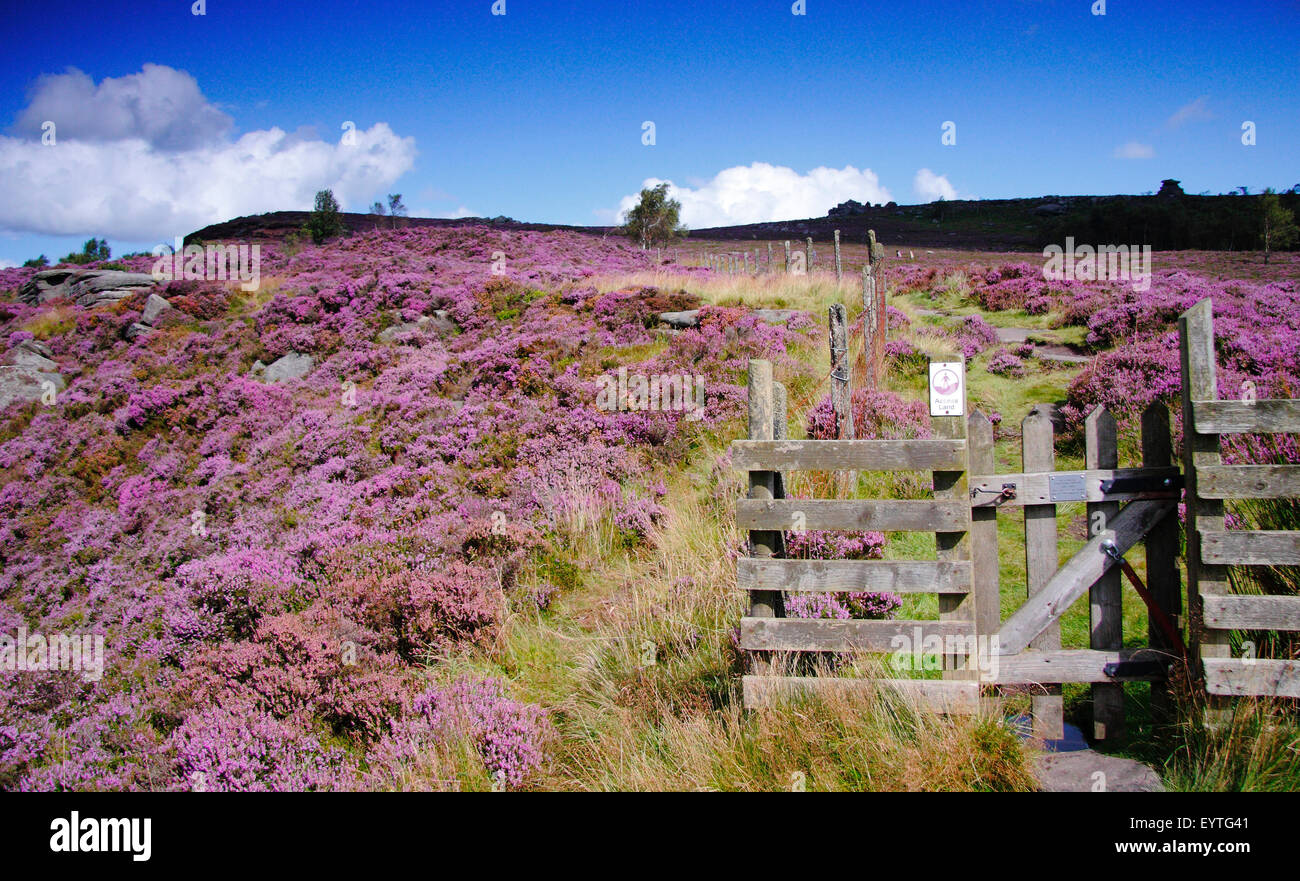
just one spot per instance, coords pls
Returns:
(1135, 670)
(1142, 484)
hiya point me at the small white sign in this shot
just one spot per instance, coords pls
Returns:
(947, 389)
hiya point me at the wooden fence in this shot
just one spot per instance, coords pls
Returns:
(1124, 506)
(1211, 547)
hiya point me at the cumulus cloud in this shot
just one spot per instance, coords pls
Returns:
(1134, 150)
(761, 192)
(931, 187)
(160, 105)
(147, 156)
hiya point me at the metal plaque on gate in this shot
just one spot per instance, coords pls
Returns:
(1067, 487)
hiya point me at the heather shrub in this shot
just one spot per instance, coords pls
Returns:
(223, 597)
(423, 610)
(238, 749)
(877, 413)
(507, 738)
(1003, 363)
(203, 300)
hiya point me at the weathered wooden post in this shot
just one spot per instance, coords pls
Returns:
(839, 267)
(1039, 454)
(762, 485)
(948, 422)
(780, 431)
(810, 254)
(871, 330)
(877, 251)
(984, 544)
(1105, 598)
(1163, 579)
(769, 258)
(787, 256)
(841, 391)
(1196, 354)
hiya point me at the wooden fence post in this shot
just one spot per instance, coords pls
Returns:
(1163, 579)
(841, 391)
(877, 252)
(762, 485)
(839, 268)
(780, 431)
(1039, 454)
(769, 258)
(810, 254)
(1105, 598)
(1196, 356)
(870, 376)
(984, 542)
(787, 256)
(953, 546)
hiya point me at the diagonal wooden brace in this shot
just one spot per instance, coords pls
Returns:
(1074, 578)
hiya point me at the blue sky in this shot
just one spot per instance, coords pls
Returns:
(538, 114)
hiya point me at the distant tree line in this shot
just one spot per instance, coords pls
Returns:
(1176, 221)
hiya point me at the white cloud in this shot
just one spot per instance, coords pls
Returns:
(1194, 111)
(6, 264)
(761, 192)
(160, 105)
(148, 157)
(931, 187)
(1134, 150)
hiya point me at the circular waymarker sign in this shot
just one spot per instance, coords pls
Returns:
(947, 392)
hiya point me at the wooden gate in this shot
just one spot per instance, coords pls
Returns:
(766, 513)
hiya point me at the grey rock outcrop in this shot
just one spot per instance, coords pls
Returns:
(294, 365)
(851, 208)
(153, 308)
(439, 322)
(86, 287)
(29, 373)
(680, 320)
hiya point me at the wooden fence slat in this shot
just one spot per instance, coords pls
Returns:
(1251, 548)
(834, 635)
(930, 695)
(1069, 665)
(984, 532)
(896, 576)
(1164, 579)
(762, 486)
(1039, 454)
(1106, 605)
(846, 455)
(1252, 676)
(1244, 612)
(864, 515)
(1077, 575)
(1035, 488)
(1240, 417)
(1249, 482)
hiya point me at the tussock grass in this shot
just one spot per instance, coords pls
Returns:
(813, 292)
(52, 322)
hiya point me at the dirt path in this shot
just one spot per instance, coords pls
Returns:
(1017, 335)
